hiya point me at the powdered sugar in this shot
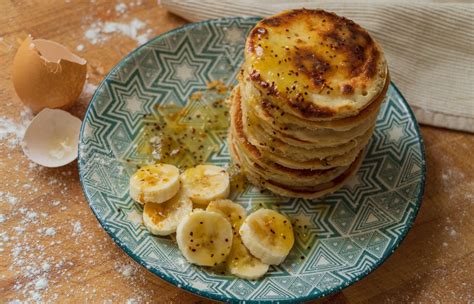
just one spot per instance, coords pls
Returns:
(127, 270)
(121, 8)
(99, 32)
(77, 227)
(41, 283)
(8, 197)
(12, 131)
(50, 231)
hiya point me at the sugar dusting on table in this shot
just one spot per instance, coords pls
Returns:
(36, 273)
(99, 32)
(13, 130)
(30, 234)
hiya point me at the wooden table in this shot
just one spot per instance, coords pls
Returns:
(53, 249)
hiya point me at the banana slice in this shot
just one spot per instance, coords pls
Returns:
(268, 235)
(233, 212)
(205, 183)
(242, 264)
(154, 183)
(163, 219)
(204, 237)
(239, 262)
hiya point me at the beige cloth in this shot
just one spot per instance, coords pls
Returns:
(429, 46)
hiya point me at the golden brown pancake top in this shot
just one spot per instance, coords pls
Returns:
(306, 55)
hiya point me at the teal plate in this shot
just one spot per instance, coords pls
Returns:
(340, 238)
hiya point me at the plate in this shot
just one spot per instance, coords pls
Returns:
(340, 238)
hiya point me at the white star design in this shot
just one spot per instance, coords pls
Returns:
(200, 285)
(233, 35)
(303, 220)
(395, 133)
(353, 182)
(134, 217)
(87, 130)
(133, 104)
(185, 72)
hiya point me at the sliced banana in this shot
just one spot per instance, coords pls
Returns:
(204, 237)
(239, 262)
(163, 219)
(268, 235)
(154, 183)
(205, 183)
(233, 212)
(242, 264)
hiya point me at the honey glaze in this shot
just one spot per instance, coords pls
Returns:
(187, 136)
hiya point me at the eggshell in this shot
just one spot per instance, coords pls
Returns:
(47, 75)
(52, 138)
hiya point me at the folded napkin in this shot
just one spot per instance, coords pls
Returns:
(429, 46)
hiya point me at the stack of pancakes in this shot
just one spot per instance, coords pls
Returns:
(309, 93)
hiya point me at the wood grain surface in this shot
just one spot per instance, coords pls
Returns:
(52, 248)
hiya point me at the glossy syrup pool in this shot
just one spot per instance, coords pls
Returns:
(188, 136)
(183, 135)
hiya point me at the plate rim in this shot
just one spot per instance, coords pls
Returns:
(220, 297)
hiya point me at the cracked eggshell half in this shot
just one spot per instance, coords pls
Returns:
(47, 75)
(52, 138)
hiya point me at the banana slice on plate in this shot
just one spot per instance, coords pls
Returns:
(204, 237)
(154, 183)
(268, 235)
(242, 264)
(233, 212)
(205, 183)
(163, 219)
(239, 262)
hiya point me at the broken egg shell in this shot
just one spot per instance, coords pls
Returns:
(47, 75)
(51, 139)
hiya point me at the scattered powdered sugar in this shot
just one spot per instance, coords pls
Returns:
(452, 232)
(41, 283)
(77, 227)
(13, 131)
(121, 8)
(127, 270)
(50, 231)
(8, 197)
(31, 216)
(46, 267)
(26, 246)
(455, 183)
(450, 175)
(98, 31)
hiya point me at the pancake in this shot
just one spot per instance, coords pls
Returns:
(309, 192)
(270, 112)
(281, 174)
(314, 64)
(309, 93)
(251, 156)
(320, 138)
(256, 154)
(302, 191)
(269, 143)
